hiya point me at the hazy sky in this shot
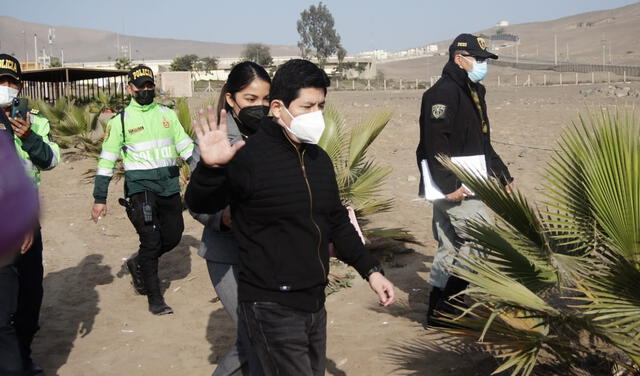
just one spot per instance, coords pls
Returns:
(362, 24)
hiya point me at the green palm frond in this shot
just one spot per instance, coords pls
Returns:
(512, 208)
(573, 267)
(360, 179)
(495, 286)
(184, 116)
(363, 135)
(334, 140)
(515, 257)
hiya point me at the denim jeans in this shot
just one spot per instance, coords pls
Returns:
(288, 342)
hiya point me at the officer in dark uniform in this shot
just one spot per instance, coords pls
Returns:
(454, 122)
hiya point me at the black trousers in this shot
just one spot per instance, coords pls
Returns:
(162, 233)
(288, 342)
(30, 275)
(10, 359)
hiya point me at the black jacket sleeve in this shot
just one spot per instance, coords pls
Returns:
(39, 152)
(435, 133)
(211, 189)
(498, 168)
(208, 189)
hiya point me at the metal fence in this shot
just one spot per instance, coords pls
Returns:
(627, 70)
(519, 79)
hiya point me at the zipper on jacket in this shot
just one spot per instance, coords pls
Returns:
(306, 180)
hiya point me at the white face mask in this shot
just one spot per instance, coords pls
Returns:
(307, 128)
(7, 95)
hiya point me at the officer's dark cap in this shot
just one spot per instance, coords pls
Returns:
(474, 45)
(140, 75)
(10, 66)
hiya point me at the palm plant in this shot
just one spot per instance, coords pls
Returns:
(360, 178)
(557, 284)
(186, 117)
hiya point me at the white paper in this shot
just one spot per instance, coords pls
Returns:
(475, 164)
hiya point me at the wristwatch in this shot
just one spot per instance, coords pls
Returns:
(376, 268)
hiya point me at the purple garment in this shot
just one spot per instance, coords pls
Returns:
(18, 196)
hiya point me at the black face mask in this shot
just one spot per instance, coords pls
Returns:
(144, 97)
(248, 118)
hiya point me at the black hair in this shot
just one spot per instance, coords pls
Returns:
(294, 75)
(240, 77)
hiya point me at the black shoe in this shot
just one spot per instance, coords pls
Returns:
(434, 298)
(160, 309)
(440, 302)
(136, 276)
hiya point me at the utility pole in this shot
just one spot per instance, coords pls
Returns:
(555, 42)
(62, 57)
(52, 37)
(35, 49)
(567, 51)
(24, 46)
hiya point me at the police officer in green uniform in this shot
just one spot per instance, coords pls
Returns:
(149, 138)
(37, 152)
(454, 122)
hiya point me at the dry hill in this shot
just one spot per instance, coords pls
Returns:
(83, 45)
(584, 34)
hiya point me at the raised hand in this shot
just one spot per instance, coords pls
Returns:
(215, 149)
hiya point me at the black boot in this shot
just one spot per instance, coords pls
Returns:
(136, 276)
(157, 305)
(454, 286)
(439, 301)
(434, 298)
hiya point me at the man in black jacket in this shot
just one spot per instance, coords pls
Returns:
(454, 122)
(286, 209)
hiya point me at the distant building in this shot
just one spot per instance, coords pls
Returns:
(432, 48)
(503, 23)
(376, 54)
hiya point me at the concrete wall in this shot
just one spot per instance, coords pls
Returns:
(177, 84)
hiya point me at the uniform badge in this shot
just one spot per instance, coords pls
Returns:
(482, 43)
(438, 111)
(165, 123)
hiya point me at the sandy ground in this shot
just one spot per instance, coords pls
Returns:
(93, 324)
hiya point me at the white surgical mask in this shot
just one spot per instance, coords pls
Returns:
(307, 128)
(7, 95)
(479, 70)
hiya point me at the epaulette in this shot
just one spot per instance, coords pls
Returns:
(115, 115)
(34, 111)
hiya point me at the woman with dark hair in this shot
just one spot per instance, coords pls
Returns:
(245, 97)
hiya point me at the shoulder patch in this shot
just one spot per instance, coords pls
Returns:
(438, 111)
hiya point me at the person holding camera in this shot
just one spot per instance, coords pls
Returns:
(37, 153)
